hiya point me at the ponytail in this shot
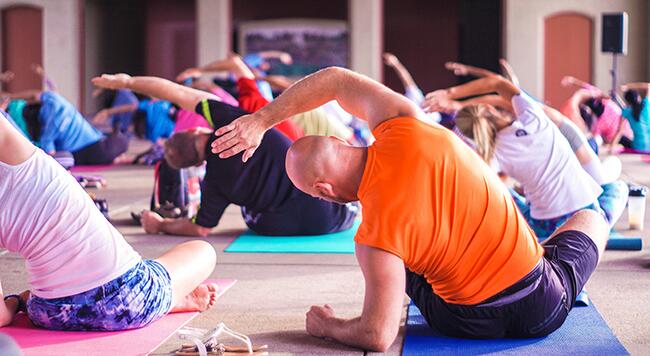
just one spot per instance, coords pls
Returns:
(477, 123)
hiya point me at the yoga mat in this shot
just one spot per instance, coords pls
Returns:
(633, 151)
(87, 169)
(618, 242)
(584, 332)
(338, 242)
(37, 342)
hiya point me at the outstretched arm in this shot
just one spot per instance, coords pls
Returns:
(503, 87)
(357, 94)
(185, 97)
(404, 76)
(378, 324)
(508, 71)
(104, 114)
(48, 83)
(643, 88)
(233, 64)
(464, 69)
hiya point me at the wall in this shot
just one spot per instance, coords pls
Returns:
(170, 37)
(423, 34)
(62, 58)
(524, 42)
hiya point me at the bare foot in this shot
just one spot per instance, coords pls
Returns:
(201, 299)
(124, 158)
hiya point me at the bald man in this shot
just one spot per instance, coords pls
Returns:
(432, 208)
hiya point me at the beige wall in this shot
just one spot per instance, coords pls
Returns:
(61, 52)
(214, 29)
(524, 39)
(366, 37)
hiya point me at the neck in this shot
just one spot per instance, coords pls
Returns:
(353, 164)
(201, 143)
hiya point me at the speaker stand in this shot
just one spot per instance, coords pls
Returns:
(613, 72)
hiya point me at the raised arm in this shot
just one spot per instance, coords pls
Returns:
(404, 76)
(643, 88)
(104, 114)
(508, 72)
(487, 85)
(357, 94)
(185, 97)
(48, 83)
(233, 64)
(461, 69)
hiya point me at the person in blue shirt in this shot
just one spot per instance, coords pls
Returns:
(56, 125)
(637, 113)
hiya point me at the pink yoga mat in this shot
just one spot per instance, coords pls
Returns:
(98, 168)
(35, 341)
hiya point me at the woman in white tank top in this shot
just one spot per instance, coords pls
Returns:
(83, 274)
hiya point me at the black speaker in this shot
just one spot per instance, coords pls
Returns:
(614, 38)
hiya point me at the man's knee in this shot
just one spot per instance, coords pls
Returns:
(592, 224)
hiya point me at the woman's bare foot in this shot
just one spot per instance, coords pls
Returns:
(201, 299)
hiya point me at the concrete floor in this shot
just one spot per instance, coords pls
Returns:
(274, 291)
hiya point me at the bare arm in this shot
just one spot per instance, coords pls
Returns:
(378, 324)
(644, 88)
(503, 87)
(508, 71)
(185, 97)
(47, 82)
(232, 64)
(104, 114)
(404, 76)
(277, 81)
(464, 69)
(357, 94)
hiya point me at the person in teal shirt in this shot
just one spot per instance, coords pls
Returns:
(637, 114)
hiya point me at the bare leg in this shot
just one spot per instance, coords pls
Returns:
(189, 264)
(589, 222)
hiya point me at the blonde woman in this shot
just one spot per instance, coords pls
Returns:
(529, 147)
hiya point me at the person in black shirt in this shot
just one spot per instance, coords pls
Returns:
(270, 203)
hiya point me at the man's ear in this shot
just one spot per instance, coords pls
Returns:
(324, 189)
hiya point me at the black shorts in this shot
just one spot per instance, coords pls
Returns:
(533, 307)
(103, 151)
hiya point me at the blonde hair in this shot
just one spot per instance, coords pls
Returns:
(478, 123)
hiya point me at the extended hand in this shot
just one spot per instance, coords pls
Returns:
(187, 74)
(100, 117)
(390, 59)
(244, 134)
(151, 221)
(318, 320)
(457, 68)
(112, 81)
(439, 101)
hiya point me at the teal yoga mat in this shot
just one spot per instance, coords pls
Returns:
(338, 242)
(622, 243)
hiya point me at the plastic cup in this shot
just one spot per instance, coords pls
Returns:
(636, 207)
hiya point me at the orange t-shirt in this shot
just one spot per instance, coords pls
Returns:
(430, 200)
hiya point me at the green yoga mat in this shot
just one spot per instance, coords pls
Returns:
(338, 242)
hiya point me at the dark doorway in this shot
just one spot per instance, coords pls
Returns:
(22, 46)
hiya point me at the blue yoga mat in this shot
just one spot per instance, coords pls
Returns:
(338, 242)
(622, 243)
(584, 332)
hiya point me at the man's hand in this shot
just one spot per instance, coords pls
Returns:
(151, 222)
(244, 134)
(112, 81)
(188, 74)
(318, 320)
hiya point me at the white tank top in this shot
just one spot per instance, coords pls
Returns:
(46, 217)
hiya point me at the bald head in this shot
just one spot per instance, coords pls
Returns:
(326, 167)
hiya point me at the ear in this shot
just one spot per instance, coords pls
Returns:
(324, 189)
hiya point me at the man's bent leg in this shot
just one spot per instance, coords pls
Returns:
(455, 320)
